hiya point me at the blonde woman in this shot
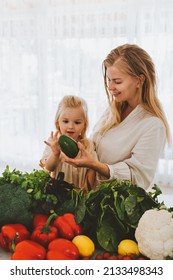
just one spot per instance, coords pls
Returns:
(72, 120)
(131, 135)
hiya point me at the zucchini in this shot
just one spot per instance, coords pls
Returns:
(68, 146)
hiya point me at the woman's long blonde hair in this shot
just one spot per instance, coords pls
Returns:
(132, 60)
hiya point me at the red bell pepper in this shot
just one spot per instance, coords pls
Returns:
(67, 226)
(12, 232)
(29, 250)
(62, 249)
(39, 220)
(45, 233)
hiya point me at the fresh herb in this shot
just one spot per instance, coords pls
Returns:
(35, 183)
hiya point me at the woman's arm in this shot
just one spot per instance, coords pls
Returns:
(91, 179)
(101, 168)
(147, 144)
(87, 160)
(140, 167)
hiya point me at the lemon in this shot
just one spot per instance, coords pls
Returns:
(127, 247)
(84, 244)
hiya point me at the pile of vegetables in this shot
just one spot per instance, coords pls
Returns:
(28, 193)
(112, 212)
(107, 215)
(50, 237)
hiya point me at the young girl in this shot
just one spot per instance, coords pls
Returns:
(72, 120)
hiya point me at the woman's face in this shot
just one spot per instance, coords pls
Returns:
(122, 87)
(72, 122)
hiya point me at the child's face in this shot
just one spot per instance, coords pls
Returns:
(72, 122)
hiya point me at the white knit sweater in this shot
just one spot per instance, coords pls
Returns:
(132, 149)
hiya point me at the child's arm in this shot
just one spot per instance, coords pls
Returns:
(52, 161)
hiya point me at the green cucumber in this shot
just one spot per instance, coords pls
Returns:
(68, 146)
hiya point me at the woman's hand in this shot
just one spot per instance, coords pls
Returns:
(54, 143)
(85, 159)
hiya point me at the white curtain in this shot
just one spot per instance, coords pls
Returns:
(50, 48)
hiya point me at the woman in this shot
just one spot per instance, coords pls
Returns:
(130, 136)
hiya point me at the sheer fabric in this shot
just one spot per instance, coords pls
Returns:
(50, 48)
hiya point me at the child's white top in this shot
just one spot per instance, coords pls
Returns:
(72, 175)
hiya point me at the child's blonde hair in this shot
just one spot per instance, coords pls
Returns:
(73, 101)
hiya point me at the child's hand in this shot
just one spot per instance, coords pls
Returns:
(54, 143)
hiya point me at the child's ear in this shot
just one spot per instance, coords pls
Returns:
(83, 132)
(80, 136)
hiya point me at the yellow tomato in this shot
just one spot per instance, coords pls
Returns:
(127, 247)
(84, 244)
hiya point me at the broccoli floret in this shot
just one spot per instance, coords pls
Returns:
(15, 205)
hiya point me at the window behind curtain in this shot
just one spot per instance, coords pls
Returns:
(52, 48)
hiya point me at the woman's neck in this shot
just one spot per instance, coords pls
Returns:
(126, 110)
